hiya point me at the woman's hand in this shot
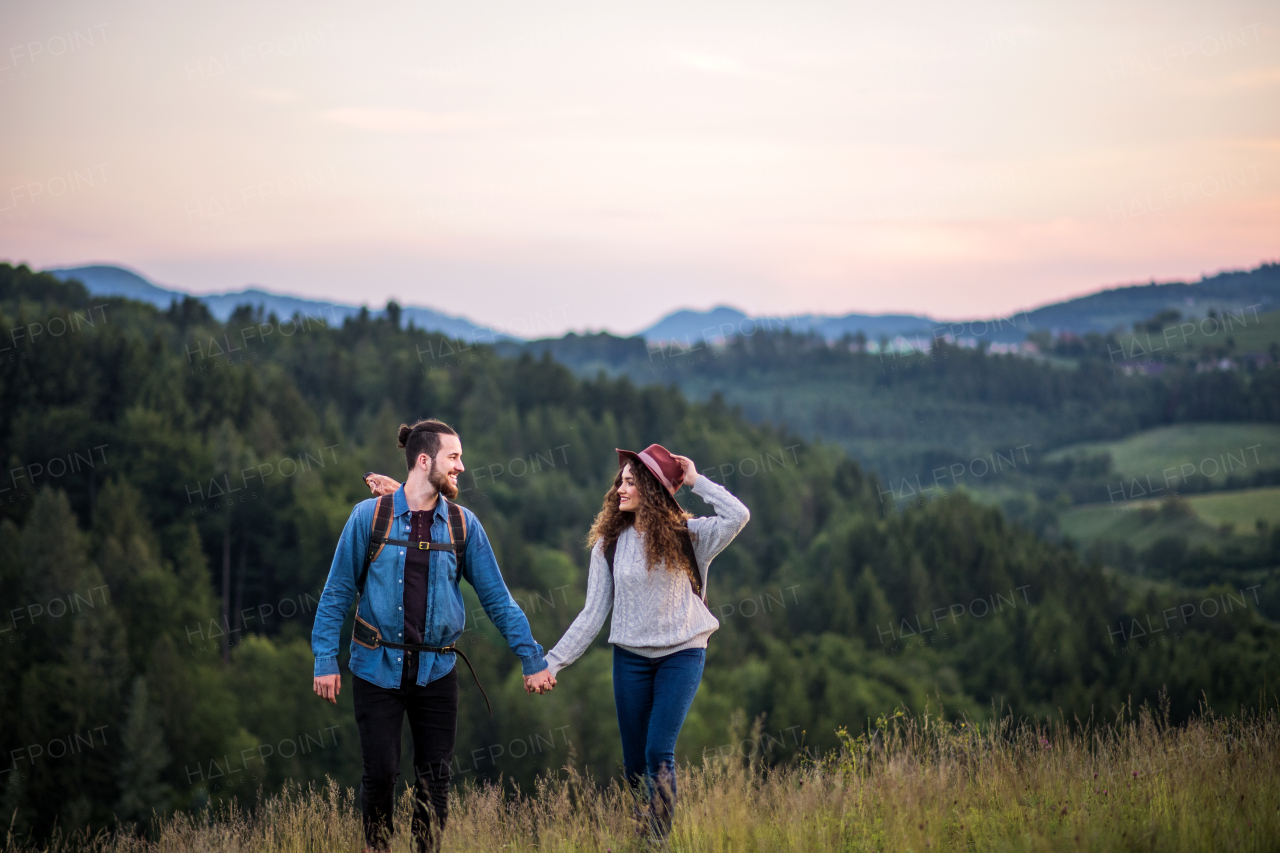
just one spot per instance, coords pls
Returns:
(539, 682)
(690, 470)
(381, 484)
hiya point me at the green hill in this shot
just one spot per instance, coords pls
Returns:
(1241, 509)
(1204, 521)
(1212, 450)
(1118, 308)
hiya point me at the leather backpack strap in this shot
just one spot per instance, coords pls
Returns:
(609, 551)
(382, 513)
(458, 537)
(695, 574)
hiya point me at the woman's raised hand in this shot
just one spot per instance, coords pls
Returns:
(690, 470)
(381, 484)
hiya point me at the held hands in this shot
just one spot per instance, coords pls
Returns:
(328, 687)
(539, 682)
(690, 470)
(381, 484)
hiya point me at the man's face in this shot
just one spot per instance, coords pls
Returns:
(445, 468)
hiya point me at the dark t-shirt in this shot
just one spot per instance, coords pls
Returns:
(417, 564)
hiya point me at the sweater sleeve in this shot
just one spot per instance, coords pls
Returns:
(589, 622)
(712, 534)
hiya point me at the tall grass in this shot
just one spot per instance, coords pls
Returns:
(914, 784)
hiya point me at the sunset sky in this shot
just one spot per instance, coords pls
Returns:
(614, 162)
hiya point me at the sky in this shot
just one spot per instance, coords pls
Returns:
(604, 164)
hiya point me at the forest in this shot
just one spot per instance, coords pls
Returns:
(173, 489)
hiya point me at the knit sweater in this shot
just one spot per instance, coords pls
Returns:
(655, 611)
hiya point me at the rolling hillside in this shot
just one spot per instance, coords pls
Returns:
(1211, 450)
(1110, 310)
(106, 280)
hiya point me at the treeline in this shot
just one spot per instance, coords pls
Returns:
(907, 413)
(174, 489)
(1103, 400)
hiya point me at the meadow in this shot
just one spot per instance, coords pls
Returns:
(1202, 446)
(1207, 519)
(917, 783)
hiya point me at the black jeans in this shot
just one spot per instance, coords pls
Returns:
(433, 721)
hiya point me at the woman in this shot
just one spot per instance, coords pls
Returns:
(661, 623)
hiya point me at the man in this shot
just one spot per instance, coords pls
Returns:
(411, 597)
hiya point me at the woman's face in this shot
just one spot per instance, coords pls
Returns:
(628, 492)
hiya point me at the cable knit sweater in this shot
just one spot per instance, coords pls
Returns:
(655, 612)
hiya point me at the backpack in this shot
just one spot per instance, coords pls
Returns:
(365, 634)
(686, 543)
(382, 513)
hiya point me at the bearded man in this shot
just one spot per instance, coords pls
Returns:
(401, 557)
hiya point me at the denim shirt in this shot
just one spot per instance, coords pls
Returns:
(383, 603)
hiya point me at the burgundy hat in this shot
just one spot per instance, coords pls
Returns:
(660, 462)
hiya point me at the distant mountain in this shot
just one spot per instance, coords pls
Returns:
(719, 322)
(1121, 307)
(106, 280)
(117, 281)
(873, 325)
(686, 326)
(1107, 310)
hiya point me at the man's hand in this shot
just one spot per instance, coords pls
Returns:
(381, 484)
(690, 470)
(328, 687)
(539, 682)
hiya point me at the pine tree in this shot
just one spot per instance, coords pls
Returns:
(871, 608)
(145, 756)
(80, 663)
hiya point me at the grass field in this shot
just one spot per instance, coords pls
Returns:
(1202, 446)
(930, 785)
(1248, 333)
(1126, 522)
(1255, 335)
(1242, 508)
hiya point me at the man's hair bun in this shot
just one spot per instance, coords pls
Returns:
(422, 437)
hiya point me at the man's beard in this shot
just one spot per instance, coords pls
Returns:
(440, 480)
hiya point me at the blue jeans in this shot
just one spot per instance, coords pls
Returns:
(653, 696)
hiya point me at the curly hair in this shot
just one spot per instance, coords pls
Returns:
(659, 517)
